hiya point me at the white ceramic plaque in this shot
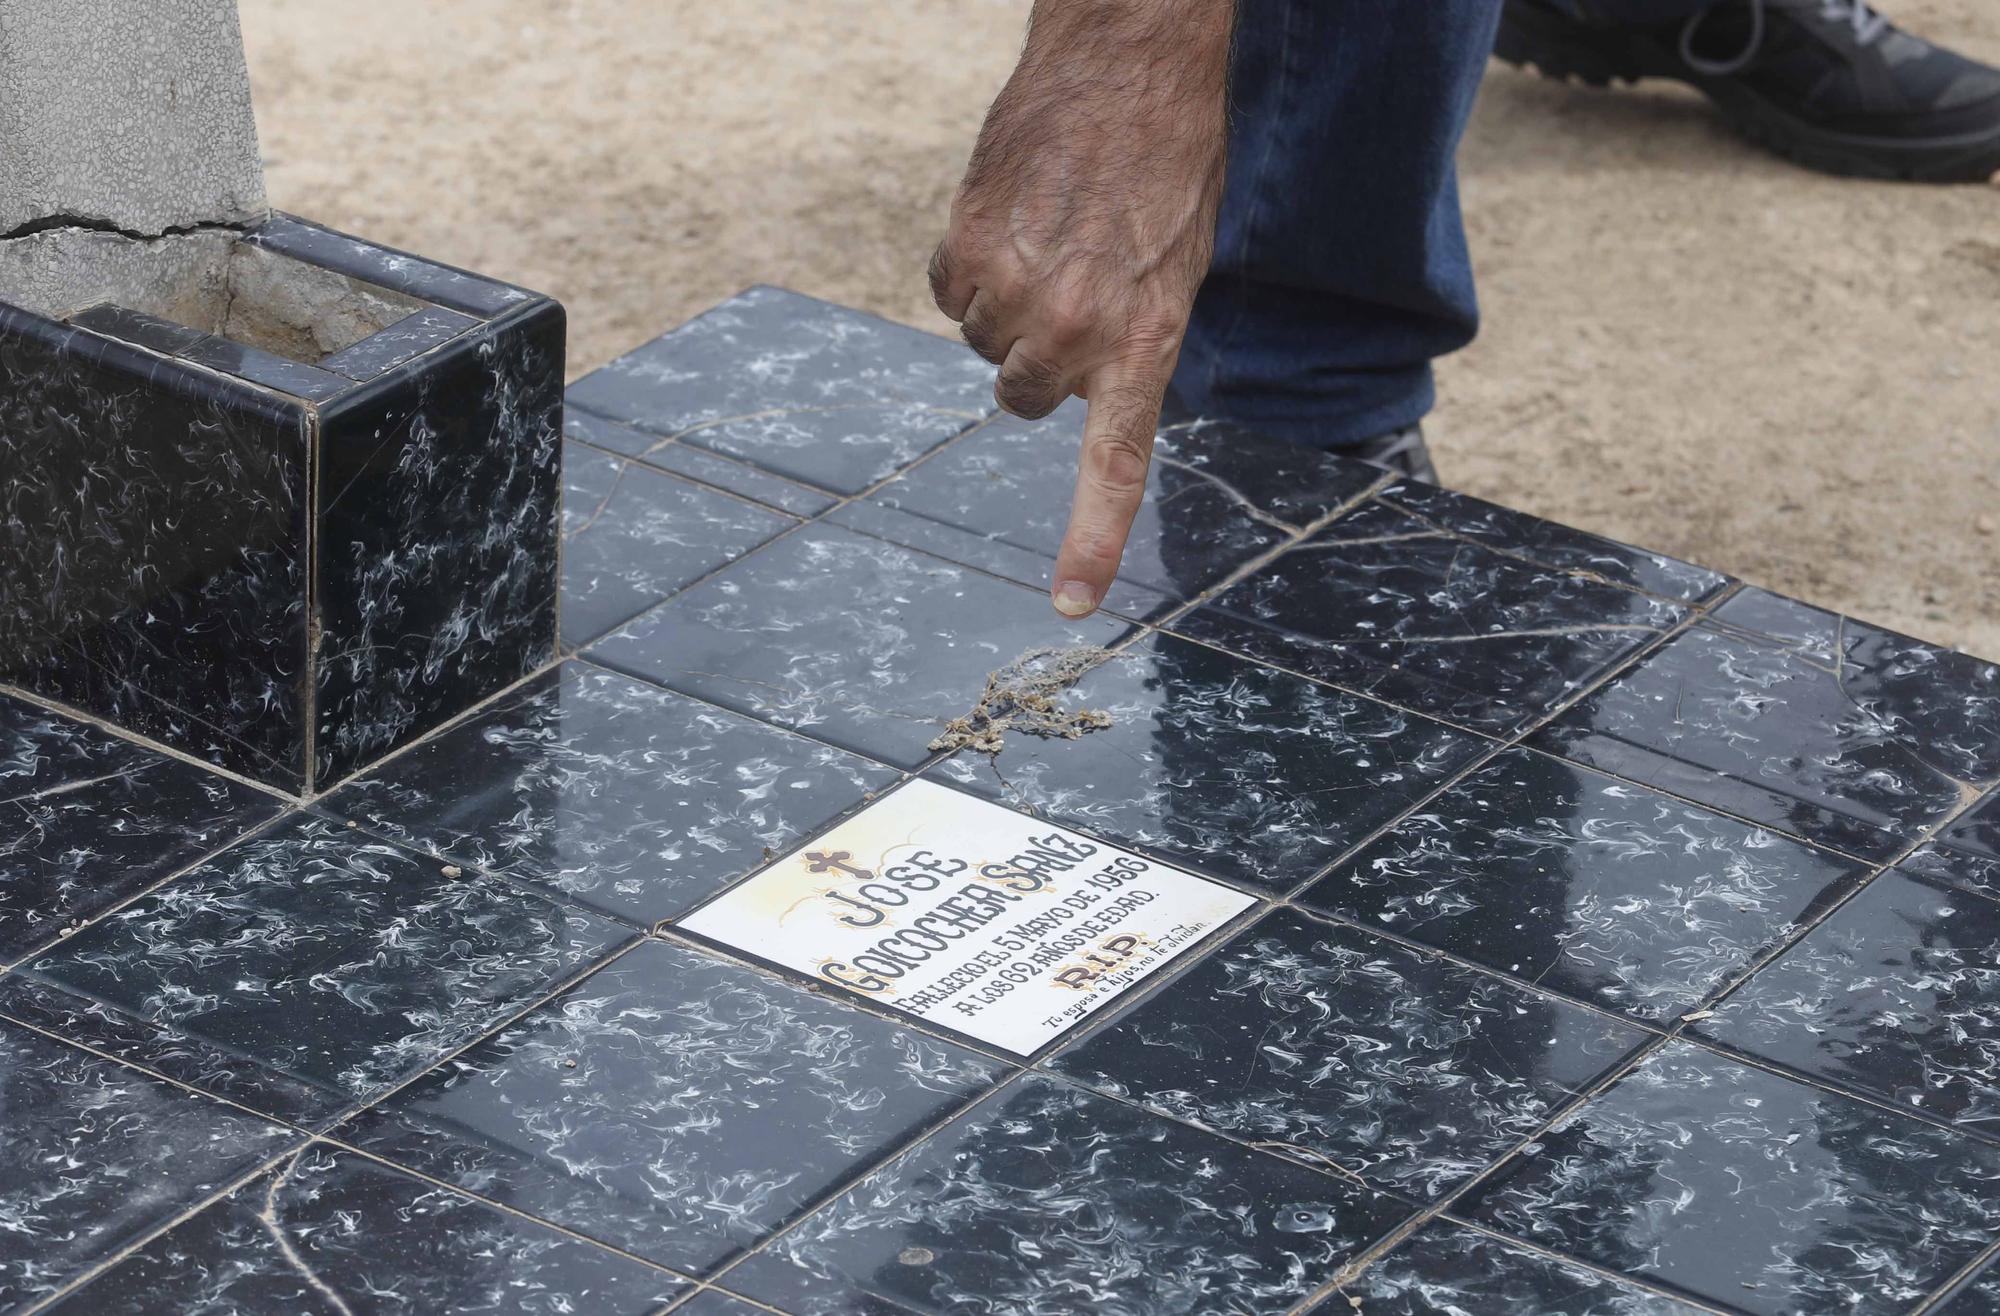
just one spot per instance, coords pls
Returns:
(969, 916)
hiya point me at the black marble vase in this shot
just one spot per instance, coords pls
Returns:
(286, 539)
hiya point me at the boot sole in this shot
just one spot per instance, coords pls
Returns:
(1528, 41)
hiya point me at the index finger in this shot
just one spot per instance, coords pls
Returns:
(1110, 483)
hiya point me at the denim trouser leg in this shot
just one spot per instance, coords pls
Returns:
(1340, 267)
(1340, 262)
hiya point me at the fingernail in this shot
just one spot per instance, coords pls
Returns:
(1075, 599)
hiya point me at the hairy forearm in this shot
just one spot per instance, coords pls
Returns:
(1157, 67)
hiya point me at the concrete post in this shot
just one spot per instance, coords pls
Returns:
(131, 115)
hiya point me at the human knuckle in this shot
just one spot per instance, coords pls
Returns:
(1153, 336)
(980, 338)
(1067, 319)
(1025, 392)
(1118, 462)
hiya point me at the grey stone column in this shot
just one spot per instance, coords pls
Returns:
(131, 115)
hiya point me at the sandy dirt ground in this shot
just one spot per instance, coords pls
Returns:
(1689, 345)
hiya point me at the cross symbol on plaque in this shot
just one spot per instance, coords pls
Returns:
(840, 861)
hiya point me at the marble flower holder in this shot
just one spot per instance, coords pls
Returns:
(277, 497)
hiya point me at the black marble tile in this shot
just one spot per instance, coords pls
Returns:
(1382, 603)
(1011, 481)
(850, 639)
(93, 1156)
(1446, 1269)
(1895, 996)
(1413, 1073)
(399, 271)
(87, 819)
(1977, 830)
(136, 328)
(1220, 765)
(265, 369)
(410, 337)
(1050, 1199)
(1290, 481)
(306, 968)
(439, 507)
(993, 556)
(1587, 885)
(153, 545)
(43, 751)
(632, 536)
(674, 1105)
(817, 392)
(1554, 544)
(697, 464)
(1977, 1295)
(1839, 732)
(1751, 1191)
(331, 1233)
(613, 793)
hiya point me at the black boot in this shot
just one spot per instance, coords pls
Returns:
(1403, 452)
(1830, 84)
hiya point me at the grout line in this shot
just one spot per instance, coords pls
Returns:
(546, 890)
(1749, 1060)
(1499, 746)
(75, 714)
(342, 1114)
(356, 1149)
(666, 934)
(804, 523)
(1617, 1074)
(989, 572)
(229, 1189)
(687, 1300)
(1650, 1286)
(1292, 1154)
(627, 460)
(451, 723)
(600, 665)
(807, 736)
(308, 668)
(1936, 1299)
(1389, 501)
(349, 1113)
(167, 1079)
(1529, 725)
(1716, 809)
(842, 1187)
(43, 948)
(1459, 962)
(1355, 1266)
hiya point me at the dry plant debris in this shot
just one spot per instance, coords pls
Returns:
(1026, 696)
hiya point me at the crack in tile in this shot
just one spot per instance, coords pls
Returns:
(1234, 494)
(1529, 633)
(598, 511)
(268, 1216)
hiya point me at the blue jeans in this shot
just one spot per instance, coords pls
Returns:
(1341, 268)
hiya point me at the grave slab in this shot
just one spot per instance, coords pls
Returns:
(1449, 910)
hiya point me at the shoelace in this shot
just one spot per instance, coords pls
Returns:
(1867, 24)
